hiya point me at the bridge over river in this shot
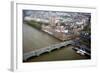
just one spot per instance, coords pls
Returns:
(46, 49)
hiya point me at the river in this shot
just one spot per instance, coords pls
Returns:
(35, 39)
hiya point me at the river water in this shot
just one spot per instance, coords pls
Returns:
(35, 39)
